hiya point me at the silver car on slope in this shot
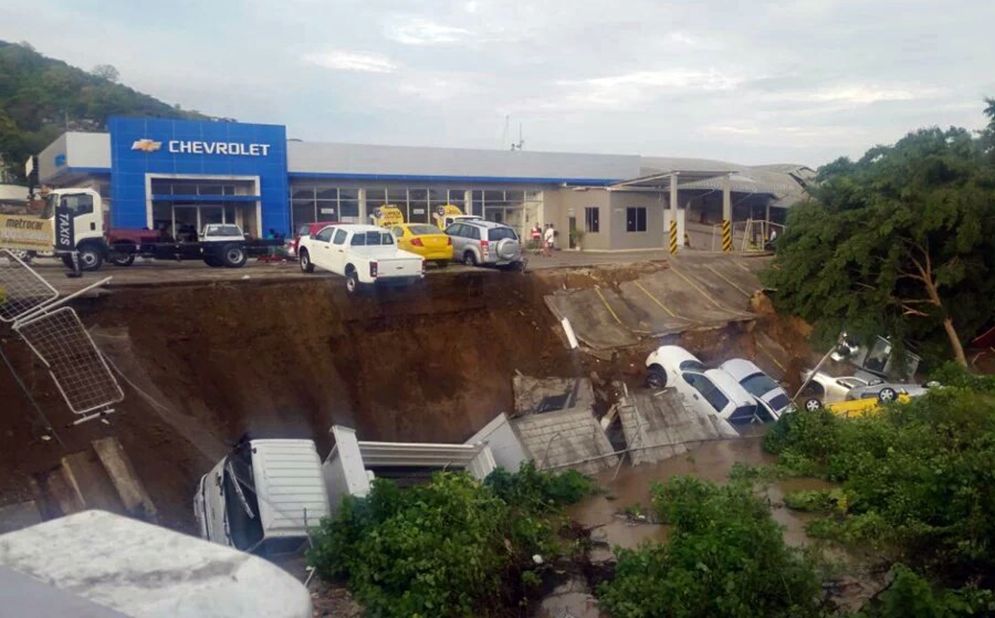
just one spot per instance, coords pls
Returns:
(767, 392)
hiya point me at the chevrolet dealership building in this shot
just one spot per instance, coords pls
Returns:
(170, 174)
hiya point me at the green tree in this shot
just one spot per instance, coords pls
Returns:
(41, 97)
(901, 241)
(106, 71)
(726, 556)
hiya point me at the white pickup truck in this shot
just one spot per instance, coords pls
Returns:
(363, 254)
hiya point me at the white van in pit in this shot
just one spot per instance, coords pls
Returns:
(263, 497)
(709, 391)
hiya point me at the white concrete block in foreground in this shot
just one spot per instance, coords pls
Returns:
(140, 569)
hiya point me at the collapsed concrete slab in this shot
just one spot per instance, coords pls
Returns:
(570, 438)
(659, 424)
(691, 293)
(504, 443)
(540, 395)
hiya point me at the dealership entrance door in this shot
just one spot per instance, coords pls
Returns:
(184, 221)
(182, 206)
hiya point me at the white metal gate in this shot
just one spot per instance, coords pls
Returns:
(58, 338)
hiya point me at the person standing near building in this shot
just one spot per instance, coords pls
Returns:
(550, 238)
(536, 238)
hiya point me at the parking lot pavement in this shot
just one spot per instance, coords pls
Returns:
(692, 291)
(165, 272)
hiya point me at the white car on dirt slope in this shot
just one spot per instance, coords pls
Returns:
(363, 254)
(709, 391)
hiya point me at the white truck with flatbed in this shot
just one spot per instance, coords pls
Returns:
(363, 254)
(72, 223)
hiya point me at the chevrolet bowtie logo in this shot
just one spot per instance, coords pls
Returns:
(146, 145)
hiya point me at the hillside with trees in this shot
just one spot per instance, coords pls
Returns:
(40, 98)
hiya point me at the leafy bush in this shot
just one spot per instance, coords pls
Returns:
(918, 478)
(911, 595)
(539, 491)
(453, 547)
(725, 557)
(952, 374)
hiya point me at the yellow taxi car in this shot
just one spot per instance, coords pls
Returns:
(425, 240)
(855, 407)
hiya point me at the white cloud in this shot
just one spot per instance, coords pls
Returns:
(363, 62)
(427, 32)
(629, 88)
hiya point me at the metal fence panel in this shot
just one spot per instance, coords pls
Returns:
(22, 290)
(76, 365)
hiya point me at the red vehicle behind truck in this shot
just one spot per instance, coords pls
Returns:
(308, 229)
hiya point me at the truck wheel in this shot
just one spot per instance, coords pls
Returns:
(233, 255)
(351, 281)
(123, 260)
(90, 258)
(306, 265)
(469, 258)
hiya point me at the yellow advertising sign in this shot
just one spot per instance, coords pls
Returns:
(387, 215)
(26, 232)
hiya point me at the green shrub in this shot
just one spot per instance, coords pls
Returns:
(919, 478)
(912, 595)
(539, 491)
(952, 374)
(453, 547)
(725, 557)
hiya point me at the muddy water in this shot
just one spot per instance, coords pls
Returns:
(712, 461)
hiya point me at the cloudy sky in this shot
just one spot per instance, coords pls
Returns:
(762, 81)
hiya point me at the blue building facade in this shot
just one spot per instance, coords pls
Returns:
(199, 171)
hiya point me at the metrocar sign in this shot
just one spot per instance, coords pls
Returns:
(25, 233)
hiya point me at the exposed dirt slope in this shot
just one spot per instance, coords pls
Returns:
(288, 359)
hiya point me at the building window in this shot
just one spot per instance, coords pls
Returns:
(592, 220)
(635, 219)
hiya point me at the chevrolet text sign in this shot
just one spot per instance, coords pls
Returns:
(219, 148)
(178, 146)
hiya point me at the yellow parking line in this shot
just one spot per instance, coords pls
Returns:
(736, 262)
(727, 280)
(764, 349)
(695, 286)
(597, 291)
(655, 299)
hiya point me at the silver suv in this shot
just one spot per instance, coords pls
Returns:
(485, 242)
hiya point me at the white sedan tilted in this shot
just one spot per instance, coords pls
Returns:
(363, 254)
(709, 391)
(767, 392)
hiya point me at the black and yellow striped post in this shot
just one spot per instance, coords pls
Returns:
(673, 237)
(726, 235)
